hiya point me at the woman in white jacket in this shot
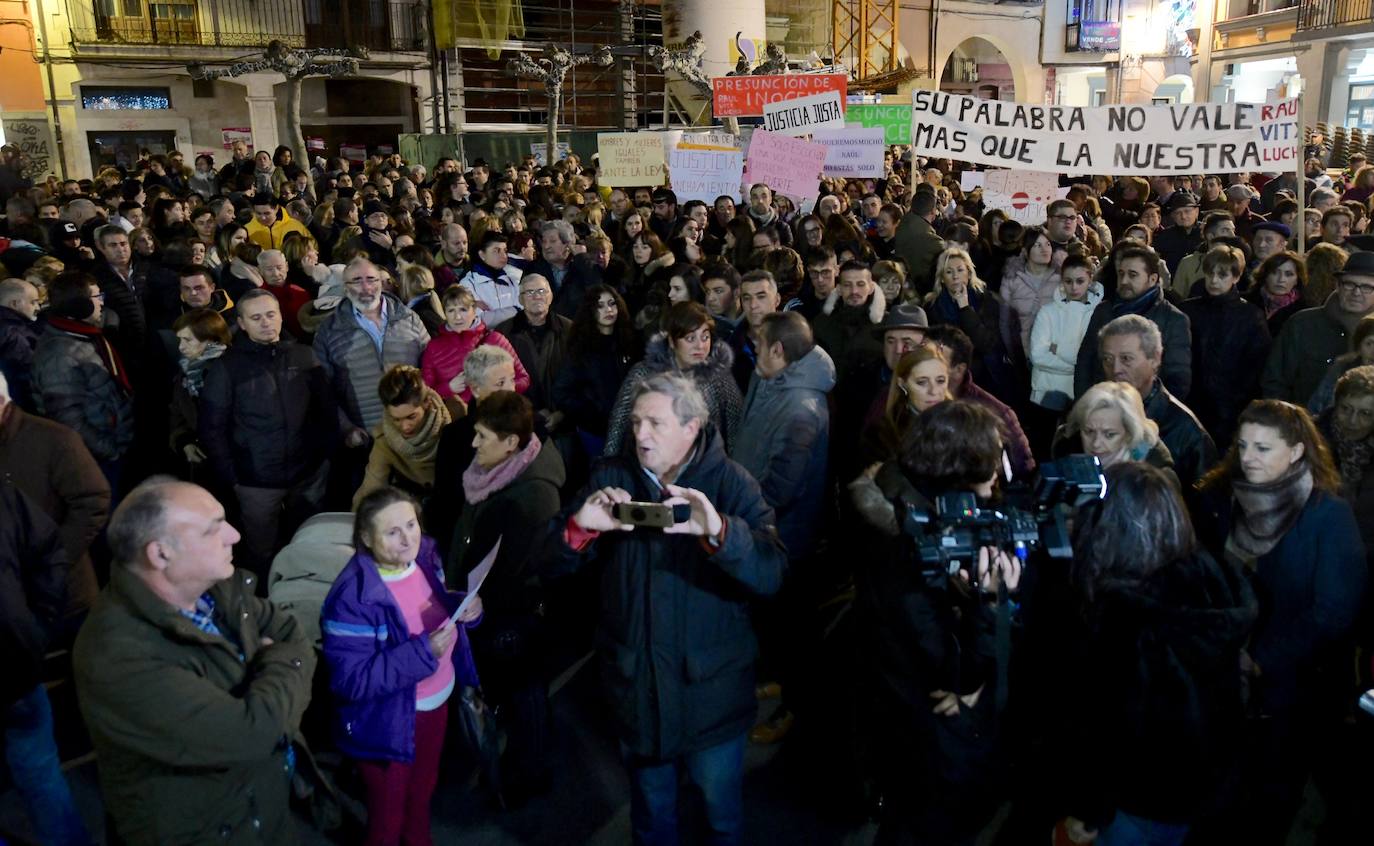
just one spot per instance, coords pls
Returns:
(1053, 348)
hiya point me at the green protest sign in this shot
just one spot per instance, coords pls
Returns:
(895, 121)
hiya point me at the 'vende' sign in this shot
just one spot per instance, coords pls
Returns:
(804, 115)
(744, 96)
(1114, 140)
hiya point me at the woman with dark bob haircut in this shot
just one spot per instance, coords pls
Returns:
(1157, 624)
(687, 346)
(931, 631)
(510, 491)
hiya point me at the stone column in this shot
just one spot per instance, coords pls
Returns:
(262, 109)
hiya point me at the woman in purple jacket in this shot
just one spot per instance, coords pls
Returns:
(395, 656)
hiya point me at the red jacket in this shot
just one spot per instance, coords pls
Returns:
(291, 298)
(443, 358)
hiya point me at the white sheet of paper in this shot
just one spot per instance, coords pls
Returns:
(475, 579)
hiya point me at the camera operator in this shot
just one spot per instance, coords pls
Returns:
(676, 646)
(1157, 625)
(931, 635)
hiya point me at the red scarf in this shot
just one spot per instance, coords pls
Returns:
(109, 356)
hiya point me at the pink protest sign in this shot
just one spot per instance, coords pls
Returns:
(790, 166)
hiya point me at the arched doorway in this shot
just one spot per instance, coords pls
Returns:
(977, 67)
(1173, 89)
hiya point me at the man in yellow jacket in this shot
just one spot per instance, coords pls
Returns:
(270, 225)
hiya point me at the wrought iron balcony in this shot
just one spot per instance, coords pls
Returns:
(387, 25)
(1321, 14)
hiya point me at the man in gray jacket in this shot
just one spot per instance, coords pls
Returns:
(784, 439)
(368, 334)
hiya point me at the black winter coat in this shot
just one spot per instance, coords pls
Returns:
(127, 304)
(18, 339)
(1193, 450)
(267, 416)
(675, 641)
(542, 350)
(1177, 370)
(1230, 340)
(516, 515)
(589, 382)
(33, 589)
(1164, 715)
(581, 274)
(1175, 242)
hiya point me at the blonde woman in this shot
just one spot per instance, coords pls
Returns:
(1108, 422)
(962, 299)
(416, 283)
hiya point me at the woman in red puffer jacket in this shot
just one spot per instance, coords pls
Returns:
(463, 332)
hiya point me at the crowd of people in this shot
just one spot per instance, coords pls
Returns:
(711, 423)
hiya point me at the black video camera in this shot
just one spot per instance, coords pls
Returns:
(949, 532)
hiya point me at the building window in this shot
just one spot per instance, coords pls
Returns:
(102, 97)
(1360, 110)
(1091, 26)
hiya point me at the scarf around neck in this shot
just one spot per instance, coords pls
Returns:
(1264, 513)
(109, 356)
(1274, 305)
(420, 450)
(480, 483)
(1139, 305)
(193, 369)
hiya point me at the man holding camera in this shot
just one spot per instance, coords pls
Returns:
(676, 646)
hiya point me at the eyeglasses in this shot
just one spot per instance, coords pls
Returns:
(1355, 287)
(536, 294)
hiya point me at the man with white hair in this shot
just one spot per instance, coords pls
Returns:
(370, 332)
(19, 330)
(676, 647)
(486, 370)
(569, 275)
(1132, 351)
(292, 298)
(191, 686)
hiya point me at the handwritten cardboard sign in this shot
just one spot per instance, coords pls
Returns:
(705, 174)
(790, 166)
(804, 115)
(855, 151)
(630, 159)
(894, 120)
(1118, 140)
(1022, 194)
(745, 96)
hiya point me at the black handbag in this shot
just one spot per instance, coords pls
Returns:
(483, 737)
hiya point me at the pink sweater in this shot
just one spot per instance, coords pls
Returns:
(423, 612)
(444, 356)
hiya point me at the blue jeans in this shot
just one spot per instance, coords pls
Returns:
(31, 754)
(1128, 830)
(718, 772)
